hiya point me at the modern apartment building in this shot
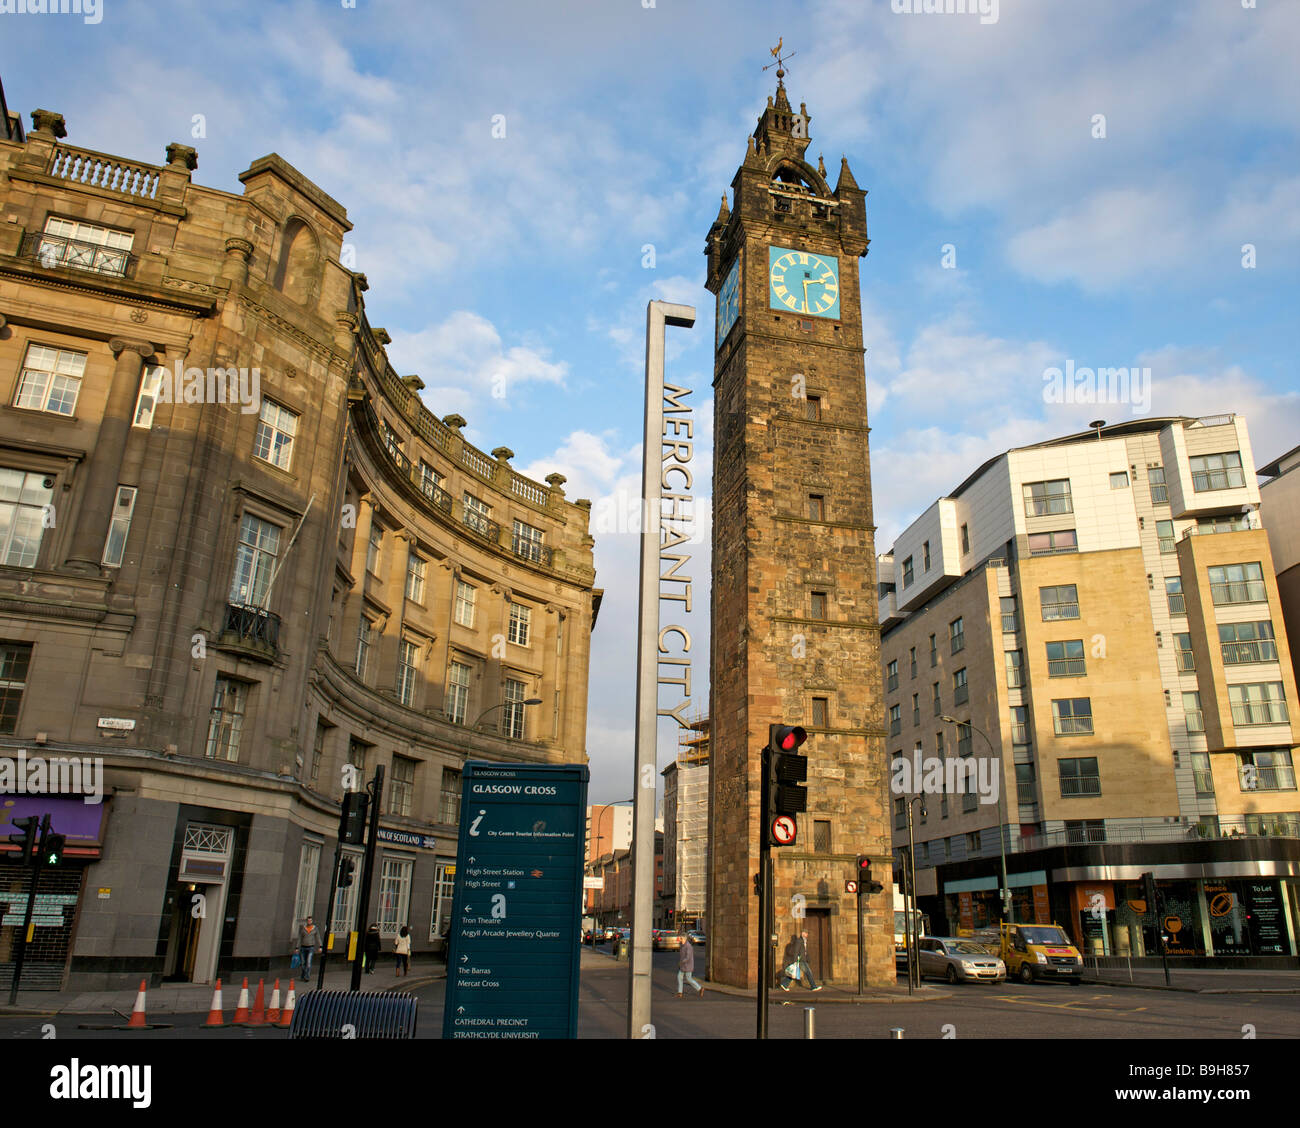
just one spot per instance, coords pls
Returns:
(686, 829)
(242, 566)
(1279, 507)
(1098, 616)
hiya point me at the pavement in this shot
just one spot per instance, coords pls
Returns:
(1200, 980)
(796, 996)
(196, 998)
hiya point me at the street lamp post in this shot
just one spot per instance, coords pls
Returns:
(502, 705)
(913, 913)
(1007, 912)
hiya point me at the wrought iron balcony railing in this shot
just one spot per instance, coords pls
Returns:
(53, 251)
(251, 626)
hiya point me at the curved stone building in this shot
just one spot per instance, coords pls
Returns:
(241, 567)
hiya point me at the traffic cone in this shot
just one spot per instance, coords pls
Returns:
(215, 1015)
(258, 1016)
(273, 1011)
(286, 1015)
(241, 1011)
(138, 1021)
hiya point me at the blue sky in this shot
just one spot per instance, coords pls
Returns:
(521, 256)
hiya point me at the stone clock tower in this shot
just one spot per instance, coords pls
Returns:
(795, 631)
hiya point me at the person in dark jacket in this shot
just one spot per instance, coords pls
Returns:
(371, 948)
(308, 946)
(797, 966)
(685, 968)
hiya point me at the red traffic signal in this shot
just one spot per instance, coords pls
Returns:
(785, 738)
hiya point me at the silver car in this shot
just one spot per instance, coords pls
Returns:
(958, 960)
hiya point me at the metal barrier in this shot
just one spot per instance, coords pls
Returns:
(354, 1014)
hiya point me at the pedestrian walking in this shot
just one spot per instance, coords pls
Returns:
(797, 966)
(308, 946)
(402, 948)
(685, 968)
(371, 948)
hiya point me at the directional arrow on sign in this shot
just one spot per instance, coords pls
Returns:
(464, 959)
(471, 860)
(460, 1010)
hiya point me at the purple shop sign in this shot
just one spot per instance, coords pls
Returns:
(80, 822)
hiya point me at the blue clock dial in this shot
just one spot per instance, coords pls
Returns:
(728, 302)
(802, 282)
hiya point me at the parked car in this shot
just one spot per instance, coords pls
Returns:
(697, 938)
(665, 940)
(611, 932)
(959, 960)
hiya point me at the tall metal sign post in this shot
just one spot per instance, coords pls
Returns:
(512, 954)
(669, 442)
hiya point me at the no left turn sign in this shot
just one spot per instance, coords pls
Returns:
(783, 830)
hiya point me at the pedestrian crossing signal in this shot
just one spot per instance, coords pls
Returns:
(52, 853)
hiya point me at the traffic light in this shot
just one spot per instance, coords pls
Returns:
(52, 849)
(758, 886)
(352, 821)
(1152, 894)
(25, 839)
(787, 770)
(865, 884)
(347, 866)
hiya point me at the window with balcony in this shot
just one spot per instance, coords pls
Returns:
(1192, 710)
(1014, 660)
(1072, 716)
(85, 246)
(478, 514)
(416, 569)
(24, 497)
(1079, 776)
(466, 595)
(1060, 602)
(146, 400)
(1174, 594)
(964, 740)
(526, 541)
(457, 704)
(1237, 583)
(891, 676)
(521, 619)
(1082, 832)
(408, 661)
(15, 661)
(1044, 498)
(1233, 523)
(1262, 703)
(1049, 544)
(1244, 643)
(50, 380)
(1202, 776)
(1065, 659)
(255, 556)
(430, 479)
(401, 791)
(1026, 784)
(1019, 724)
(1183, 654)
(513, 713)
(1165, 535)
(895, 720)
(226, 719)
(449, 807)
(1159, 490)
(1266, 769)
(960, 690)
(1217, 471)
(1010, 614)
(276, 428)
(907, 572)
(957, 635)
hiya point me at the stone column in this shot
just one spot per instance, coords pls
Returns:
(105, 462)
(347, 651)
(394, 590)
(238, 252)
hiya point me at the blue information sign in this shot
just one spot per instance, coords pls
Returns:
(512, 954)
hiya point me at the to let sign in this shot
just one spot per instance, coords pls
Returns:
(512, 954)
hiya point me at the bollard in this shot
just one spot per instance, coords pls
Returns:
(896, 1032)
(810, 1023)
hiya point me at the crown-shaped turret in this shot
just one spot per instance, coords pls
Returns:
(780, 131)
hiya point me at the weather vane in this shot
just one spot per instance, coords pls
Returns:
(780, 59)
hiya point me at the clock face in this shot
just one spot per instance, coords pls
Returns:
(802, 282)
(728, 302)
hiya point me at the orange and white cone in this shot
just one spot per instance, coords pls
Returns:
(258, 1015)
(138, 1019)
(216, 1017)
(241, 1011)
(286, 1015)
(273, 1011)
